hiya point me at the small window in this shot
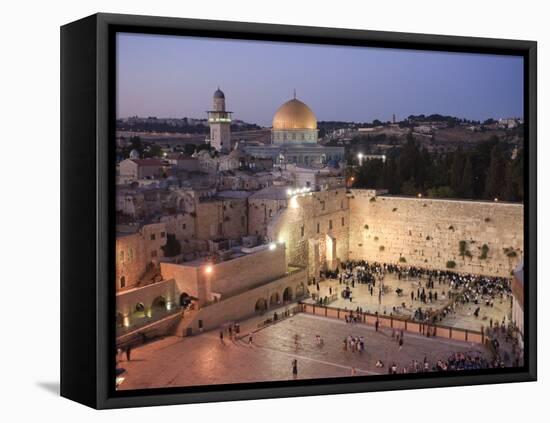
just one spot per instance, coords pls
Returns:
(242, 220)
(153, 237)
(330, 224)
(342, 204)
(184, 226)
(302, 229)
(318, 227)
(163, 234)
(131, 255)
(121, 256)
(343, 222)
(122, 281)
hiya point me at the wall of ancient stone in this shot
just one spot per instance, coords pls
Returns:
(305, 225)
(260, 213)
(428, 232)
(227, 277)
(242, 306)
(134, 252)
(218, 218)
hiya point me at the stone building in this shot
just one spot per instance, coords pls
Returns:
(246, 281)
(219, 120)
(138, 250)
(222, 217)
(294, 138)
(263, 205)
(133, 169)
(315, 228)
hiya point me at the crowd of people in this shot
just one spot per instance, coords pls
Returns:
(428, 286)
(454, 362)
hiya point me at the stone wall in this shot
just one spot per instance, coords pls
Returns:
(227, 277)
(308, 224)
(260, 213)
(428, 232)
(136, 251)
(126, 301)
(218, 218)
(242, 306)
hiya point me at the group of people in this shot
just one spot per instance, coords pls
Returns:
(354, 343)
(456, 361)
(429, 286)
(232, 332)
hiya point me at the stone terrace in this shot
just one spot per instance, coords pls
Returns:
(204, 360)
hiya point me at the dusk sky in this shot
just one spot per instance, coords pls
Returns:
(174, 76)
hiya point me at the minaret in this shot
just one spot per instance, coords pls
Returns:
(220, 124)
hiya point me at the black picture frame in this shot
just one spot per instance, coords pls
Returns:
(87, 212)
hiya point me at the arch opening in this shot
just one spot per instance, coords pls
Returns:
(287, 294)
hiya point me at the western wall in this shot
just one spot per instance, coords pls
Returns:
(468, 236)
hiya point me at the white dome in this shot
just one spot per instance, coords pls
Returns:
(134, 154)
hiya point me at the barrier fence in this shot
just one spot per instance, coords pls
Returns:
(398, 323)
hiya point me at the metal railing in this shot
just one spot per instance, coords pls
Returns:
(398, 323)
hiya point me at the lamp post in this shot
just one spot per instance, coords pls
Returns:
(360, 157)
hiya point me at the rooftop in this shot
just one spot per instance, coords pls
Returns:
(271, 193)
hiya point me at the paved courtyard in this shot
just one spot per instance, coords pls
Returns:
(361, 297)
(204, 359)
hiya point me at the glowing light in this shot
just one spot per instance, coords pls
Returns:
(293, 203)
(208, 269)
(360, 156)
(496, 200)
(419, 195)
(272, 246)
(289, 192)
(281, 240)
(126, 321)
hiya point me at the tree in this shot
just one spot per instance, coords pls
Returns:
(172, 247)
(496, 174)
(409, 188)
(457, 170)
(189, 149)
(466, 185)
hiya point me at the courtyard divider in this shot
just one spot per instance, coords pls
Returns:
(397, 323)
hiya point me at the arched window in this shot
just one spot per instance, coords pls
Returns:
(122, 282)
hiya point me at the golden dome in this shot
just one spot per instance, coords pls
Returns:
(294, 115)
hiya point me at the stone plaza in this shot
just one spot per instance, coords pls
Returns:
(391, 302)
(206, 360)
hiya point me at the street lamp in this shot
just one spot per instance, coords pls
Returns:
(360, 157)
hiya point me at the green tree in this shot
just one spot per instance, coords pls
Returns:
(466, 185)
(172, 247)
(457, 170)
(496, 174)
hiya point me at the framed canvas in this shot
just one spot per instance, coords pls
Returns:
(258, 211)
